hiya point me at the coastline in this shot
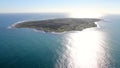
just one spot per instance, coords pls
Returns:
(13, 26)
(35, 30)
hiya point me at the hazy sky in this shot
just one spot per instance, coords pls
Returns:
(71, 6)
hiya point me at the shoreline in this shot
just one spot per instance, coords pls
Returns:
(13, 25)
(36, 30)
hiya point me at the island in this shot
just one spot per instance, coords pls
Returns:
(59, 25)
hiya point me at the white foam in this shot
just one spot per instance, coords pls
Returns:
(13, 25)
(98, 26)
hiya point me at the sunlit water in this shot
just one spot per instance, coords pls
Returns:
(84, 49)
(90, 48)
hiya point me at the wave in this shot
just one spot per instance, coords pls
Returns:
(98, 26)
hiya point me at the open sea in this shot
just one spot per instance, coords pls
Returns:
(90, 48)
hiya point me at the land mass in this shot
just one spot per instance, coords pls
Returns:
(59, 25)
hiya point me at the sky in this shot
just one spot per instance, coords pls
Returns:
(88, 7)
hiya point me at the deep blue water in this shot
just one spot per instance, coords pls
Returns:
(90, 48)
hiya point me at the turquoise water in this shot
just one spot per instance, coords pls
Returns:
(90, 48)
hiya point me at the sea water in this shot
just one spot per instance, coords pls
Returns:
(90, 48)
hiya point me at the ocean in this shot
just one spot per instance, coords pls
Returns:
(90, 48)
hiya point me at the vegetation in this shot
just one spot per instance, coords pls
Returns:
(59, 25)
